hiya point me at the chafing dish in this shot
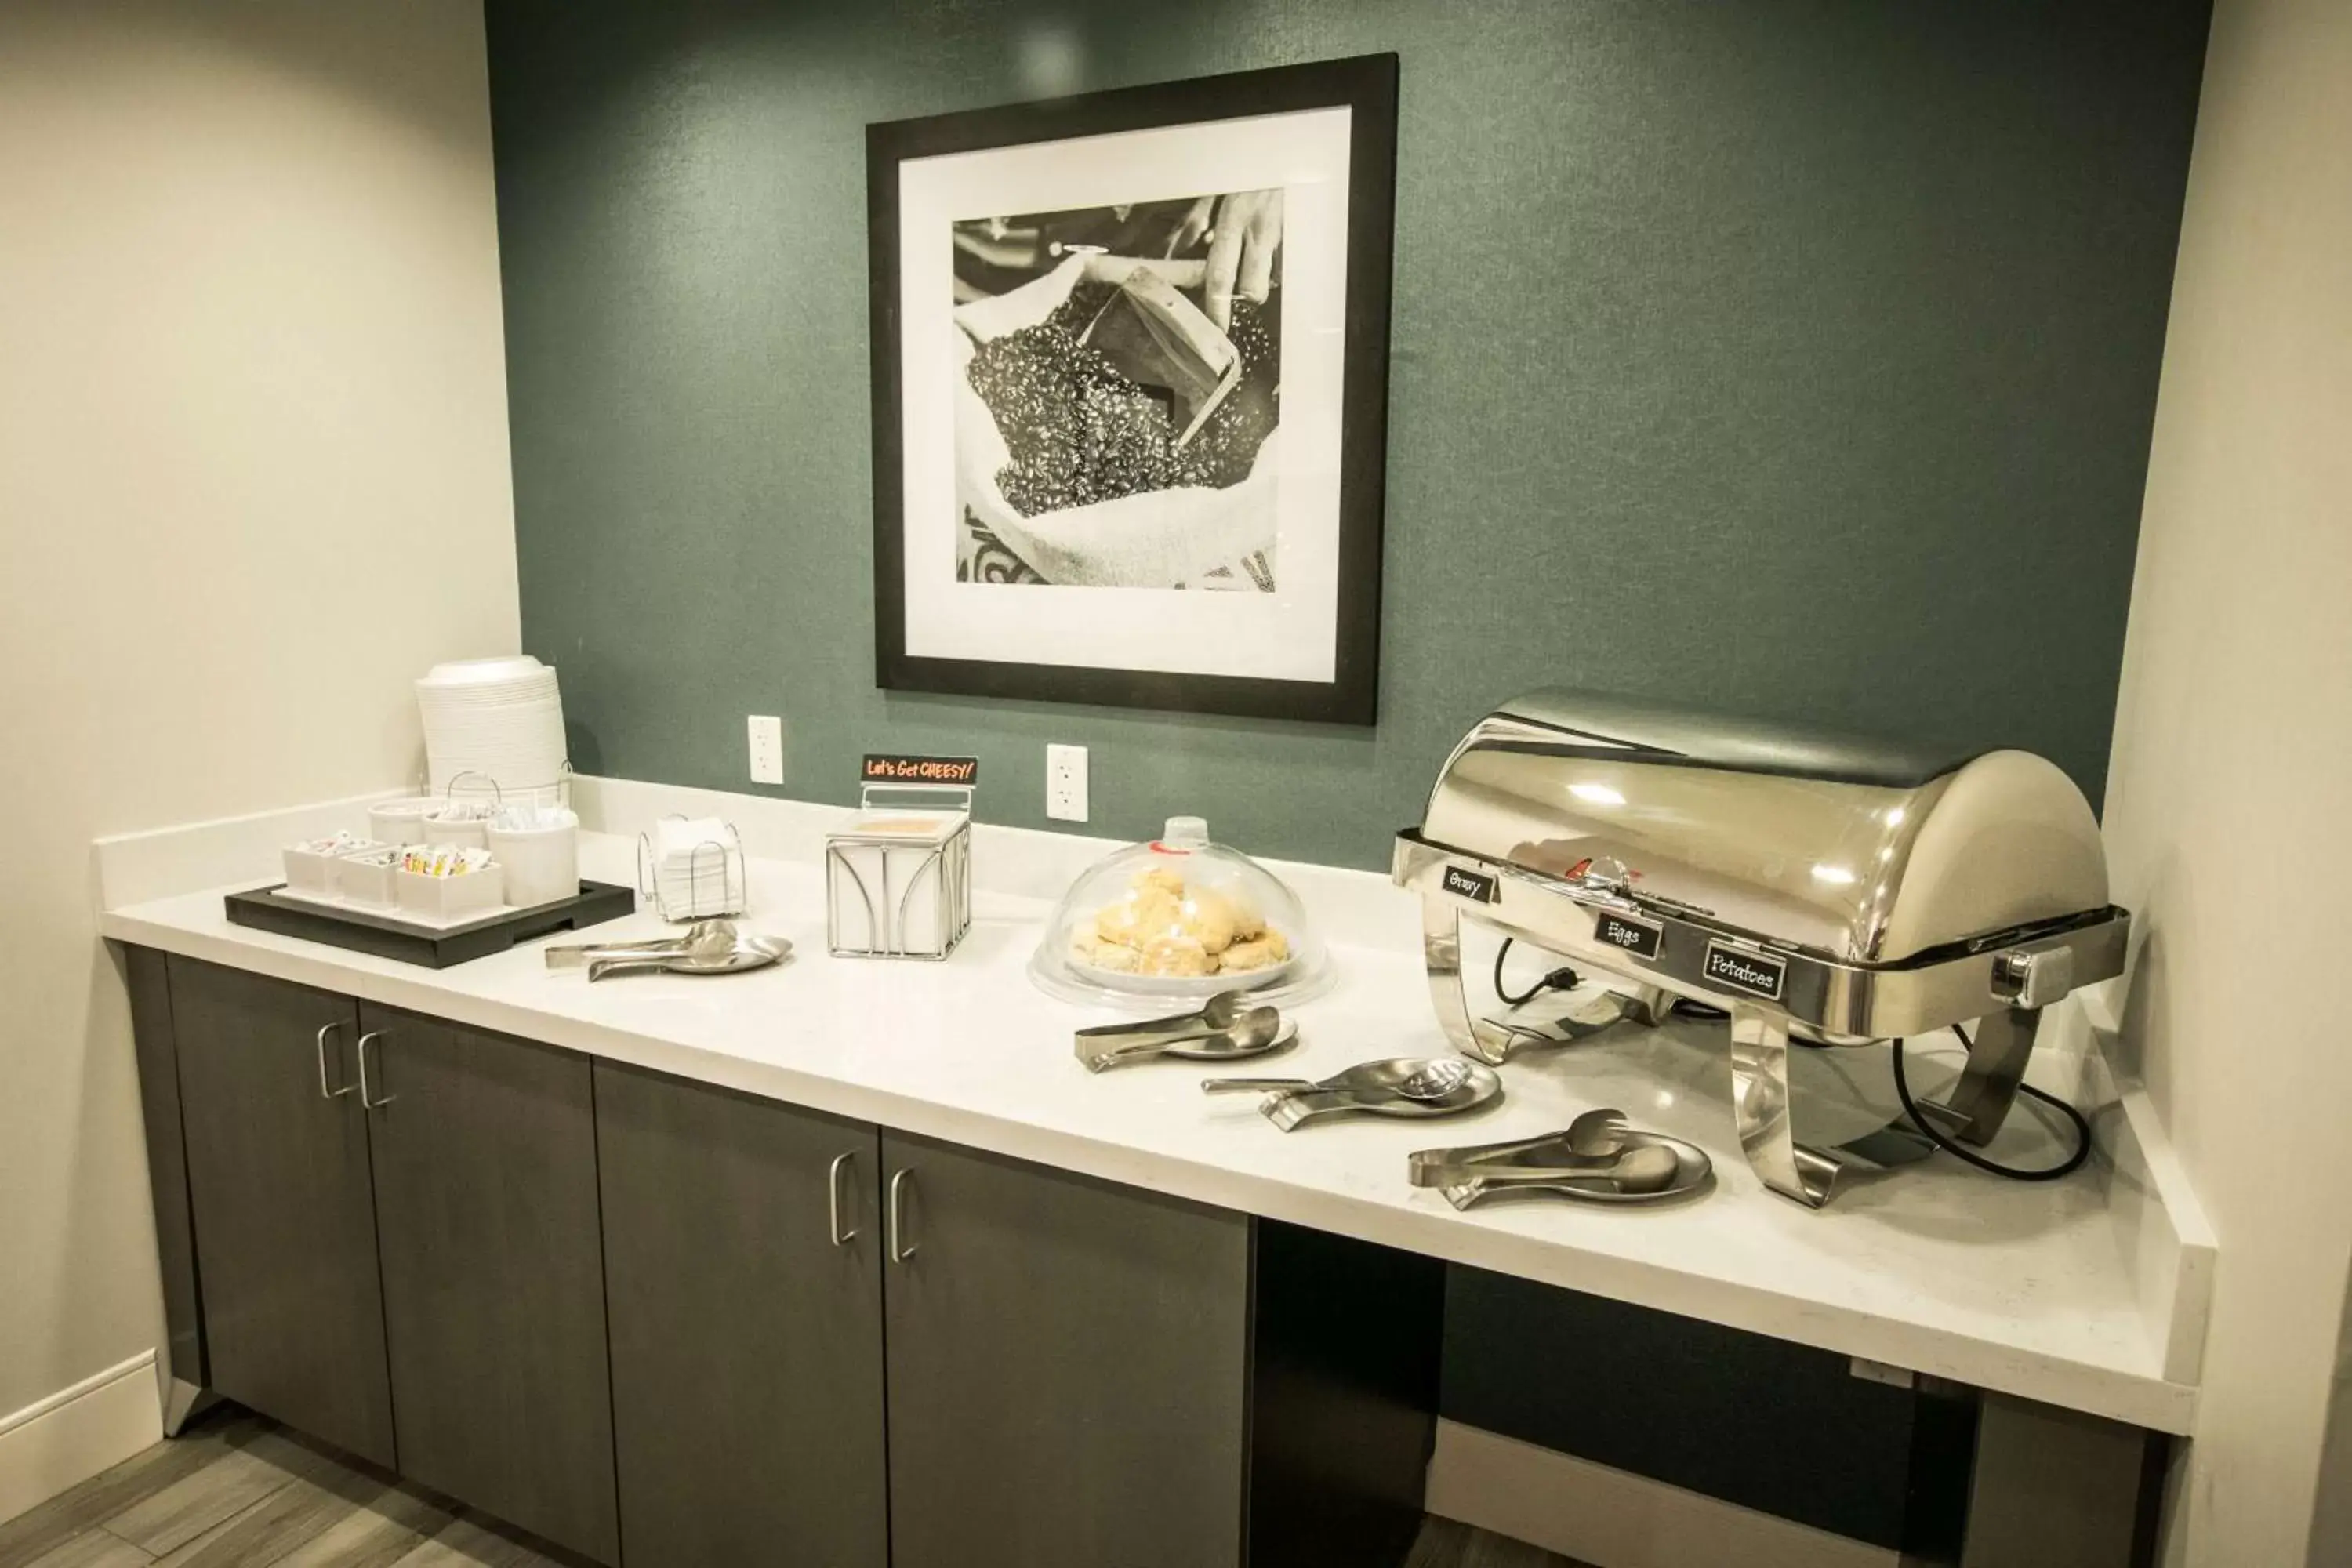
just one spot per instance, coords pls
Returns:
(1836, 890)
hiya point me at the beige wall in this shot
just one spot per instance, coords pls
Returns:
(2232, 759)
(253, 478)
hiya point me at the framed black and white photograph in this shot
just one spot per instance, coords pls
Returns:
(1130, 389)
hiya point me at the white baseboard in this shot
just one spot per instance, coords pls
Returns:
(1615, 1519)
(57, 1443)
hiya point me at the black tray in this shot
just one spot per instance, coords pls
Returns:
(434, 947)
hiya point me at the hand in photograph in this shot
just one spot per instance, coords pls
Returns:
(1245, 230)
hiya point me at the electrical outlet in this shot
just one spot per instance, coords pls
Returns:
(1066, 782)
(767, 749)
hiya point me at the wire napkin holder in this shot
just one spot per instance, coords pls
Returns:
(903, 889)
(713, 883)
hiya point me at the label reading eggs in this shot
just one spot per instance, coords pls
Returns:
(1639, 937)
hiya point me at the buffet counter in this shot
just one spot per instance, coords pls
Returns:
(2087, 1293)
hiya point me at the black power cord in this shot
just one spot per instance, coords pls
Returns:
(1561, 979)
(2066, 1167)
(1567, 979)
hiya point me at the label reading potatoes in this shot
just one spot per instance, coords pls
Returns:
(1639, 937)
(890, 768)
(1749, 972)
(1474, 885)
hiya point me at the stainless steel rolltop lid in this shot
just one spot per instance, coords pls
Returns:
(1840, 889)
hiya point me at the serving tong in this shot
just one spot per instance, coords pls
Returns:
(1401, 1085)
(1223, 1027)
(707, 947)
(1597, 1158)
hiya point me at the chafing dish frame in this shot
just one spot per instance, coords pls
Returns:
(2003, 979)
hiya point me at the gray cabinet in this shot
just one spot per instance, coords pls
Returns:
(485, 1160)
(277, 1160)
(1068, 1368)
(662, 1323)
(742, 1257)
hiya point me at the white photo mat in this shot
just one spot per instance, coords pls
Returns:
(1290, 633)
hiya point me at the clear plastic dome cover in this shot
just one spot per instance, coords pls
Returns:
(1177, 920)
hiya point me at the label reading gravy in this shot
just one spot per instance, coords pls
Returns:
(1474, 885)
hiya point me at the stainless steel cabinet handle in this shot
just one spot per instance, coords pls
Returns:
(899, 1252)
(324, 1092)
(832, 1198)
(366, 1103)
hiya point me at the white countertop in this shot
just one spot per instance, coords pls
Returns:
(2030, 1289)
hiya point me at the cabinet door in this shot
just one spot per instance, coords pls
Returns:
(278, 1184)
(742, 1264)
(485, 1152)
(1068, 1364)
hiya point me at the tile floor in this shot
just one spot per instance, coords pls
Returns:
(237, 1489)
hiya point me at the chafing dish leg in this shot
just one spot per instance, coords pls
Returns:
(1768, 1134)
(1441, 950)
(1979, 1102)
(1760, 1100)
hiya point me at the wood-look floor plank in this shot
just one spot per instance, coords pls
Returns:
(1447, 1543)
(237, 1492)
(1440, 1545)
(165, 1520)
(378, 1534)
(331, 1489)
(28, 1537)
(476, 1541)
(1485, 1550)
(94, 1549)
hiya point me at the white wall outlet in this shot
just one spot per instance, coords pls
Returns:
(767, 749)
(1066, 782)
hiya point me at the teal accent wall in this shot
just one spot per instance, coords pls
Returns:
(1793, 356)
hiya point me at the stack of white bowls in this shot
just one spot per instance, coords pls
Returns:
(498, 719)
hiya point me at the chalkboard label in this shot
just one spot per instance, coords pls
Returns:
(1750, 972)
(1639, 937)
(891, 768)
(1470, 885)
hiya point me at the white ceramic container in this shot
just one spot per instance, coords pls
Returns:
(367, 879)
(443, 899)
(401, 821)
(541, 864)
(465, 834)
(312, 870)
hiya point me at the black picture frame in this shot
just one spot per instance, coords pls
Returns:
(1367, 86)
